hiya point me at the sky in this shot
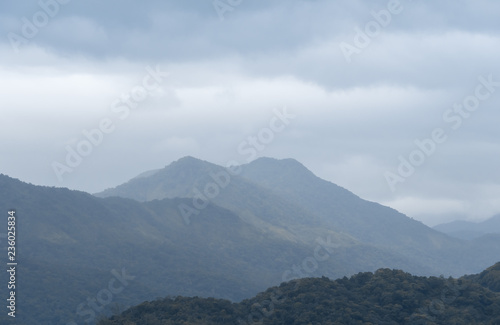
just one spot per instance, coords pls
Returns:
(396, 101)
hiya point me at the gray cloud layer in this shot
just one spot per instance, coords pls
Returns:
(225, 77)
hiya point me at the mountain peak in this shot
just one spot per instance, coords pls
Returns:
(288, 161)
(174, 180)
(189, 161)
(288, 166)
(285, 161)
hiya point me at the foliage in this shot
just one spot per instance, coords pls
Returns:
(489, 278)
(385, 297)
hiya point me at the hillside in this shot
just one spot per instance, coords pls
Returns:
(384, 297)
(76, 243)
(76, 240)
(489, 278)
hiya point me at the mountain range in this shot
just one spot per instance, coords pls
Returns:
(284, 197)
(195, 228)
(471, 230)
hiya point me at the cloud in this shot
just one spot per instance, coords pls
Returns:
(226, 76)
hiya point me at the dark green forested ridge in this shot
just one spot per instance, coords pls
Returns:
(384, 297)
(489, 278)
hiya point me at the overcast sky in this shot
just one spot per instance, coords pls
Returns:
(164, 79)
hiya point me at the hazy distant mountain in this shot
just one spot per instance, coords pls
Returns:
(366, 221)
(470, 230)
(194, 229)
(384, 297)
(284, 194)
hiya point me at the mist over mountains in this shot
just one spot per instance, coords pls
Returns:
(197, 229)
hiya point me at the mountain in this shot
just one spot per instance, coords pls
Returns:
(283, 194)
(338, 208)
(71, 245)
(81, 256)
(197, 229)
(384, 297)
(470, 230)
